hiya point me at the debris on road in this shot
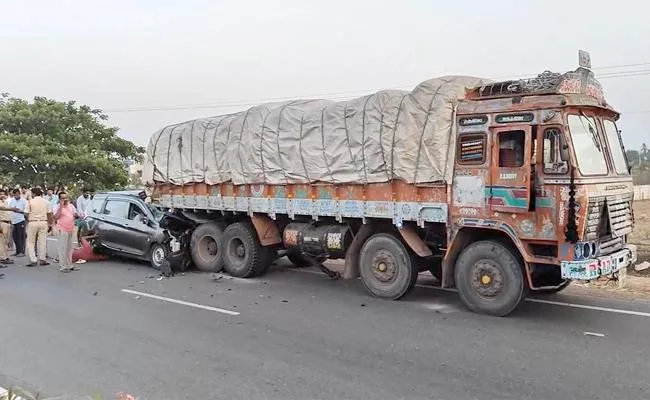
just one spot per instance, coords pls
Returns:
(285, 301)
(2, 276)
(136, 297)
(160, 278)
(95, 294)
(217, 277)
(141, 282)
(150, 276)
(642, 267)
(596, 334)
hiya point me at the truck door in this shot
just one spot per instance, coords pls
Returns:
(510, 175)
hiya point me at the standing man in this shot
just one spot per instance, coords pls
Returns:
(39, 218)
(5, 229)
(84, 206)
(52, 197)
(65, 216)
(18, 203)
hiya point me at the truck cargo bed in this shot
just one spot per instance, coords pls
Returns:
(396, 200)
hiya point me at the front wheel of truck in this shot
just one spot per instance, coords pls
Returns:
(489, 278)
(387, 268)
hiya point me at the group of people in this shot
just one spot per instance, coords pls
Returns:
(27, 216)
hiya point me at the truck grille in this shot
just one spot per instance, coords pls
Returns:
(609, 219)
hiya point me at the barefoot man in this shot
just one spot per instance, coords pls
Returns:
(65, 216)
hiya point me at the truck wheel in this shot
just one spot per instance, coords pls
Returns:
(205, 247)
(243, 255)
(301, 261)
(386, 266)
(489, 278)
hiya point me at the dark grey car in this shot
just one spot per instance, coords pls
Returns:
(128, 227)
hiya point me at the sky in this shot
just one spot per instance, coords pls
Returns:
(151, 63)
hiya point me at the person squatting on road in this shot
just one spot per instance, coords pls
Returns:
(39, 220)
(18, 222)
(65, 219)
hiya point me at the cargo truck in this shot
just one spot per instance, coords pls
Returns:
(499, 189)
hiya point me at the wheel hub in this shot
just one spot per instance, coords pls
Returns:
(487, 278)
(384, 266)
(241, 252)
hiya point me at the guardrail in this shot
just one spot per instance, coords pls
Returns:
(641, 192)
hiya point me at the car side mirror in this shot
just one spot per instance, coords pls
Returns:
(145, 220)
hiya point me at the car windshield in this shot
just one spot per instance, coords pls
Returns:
(156, 212)
(589, 152)
(615, 147)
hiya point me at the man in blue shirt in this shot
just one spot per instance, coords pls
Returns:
(18, 222)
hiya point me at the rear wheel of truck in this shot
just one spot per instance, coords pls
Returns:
(387, 268)
(243, 255)
(489, 278)
(301, 261)
(205, 247)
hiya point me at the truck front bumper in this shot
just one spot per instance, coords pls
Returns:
(599, 266)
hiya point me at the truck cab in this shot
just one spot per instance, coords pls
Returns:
(541, 168)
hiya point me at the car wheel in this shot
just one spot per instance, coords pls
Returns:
(157, 255)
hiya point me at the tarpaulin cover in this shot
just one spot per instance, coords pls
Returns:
(387, 135)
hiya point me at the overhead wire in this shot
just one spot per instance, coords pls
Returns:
(355, 93)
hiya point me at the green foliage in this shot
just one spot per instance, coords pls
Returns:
(51, 142)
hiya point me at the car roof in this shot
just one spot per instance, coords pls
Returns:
(127, 193)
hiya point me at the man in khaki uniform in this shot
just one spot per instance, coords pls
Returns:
(38, 214)
(5, 229)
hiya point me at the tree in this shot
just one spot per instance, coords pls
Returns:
(48, 142)
(632, 157)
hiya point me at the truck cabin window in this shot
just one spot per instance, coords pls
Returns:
(616, 147)
(471, 148)
(555, 159)
(587, 145)
(511, 149)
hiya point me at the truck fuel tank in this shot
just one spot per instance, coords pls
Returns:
(324, 240)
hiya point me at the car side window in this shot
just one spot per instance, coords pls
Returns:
(136, 213)
(117, 208)
(97, 202)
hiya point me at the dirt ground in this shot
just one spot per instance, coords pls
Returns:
(641, 234)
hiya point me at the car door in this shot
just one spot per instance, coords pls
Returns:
(113, 233)
(139, 230)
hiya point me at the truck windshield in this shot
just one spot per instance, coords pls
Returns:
(615, 147)
(589, 152)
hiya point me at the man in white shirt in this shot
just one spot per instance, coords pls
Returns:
(84, 206)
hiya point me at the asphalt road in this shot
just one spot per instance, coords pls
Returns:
(295, 334)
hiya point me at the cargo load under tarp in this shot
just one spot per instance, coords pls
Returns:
(387, 135)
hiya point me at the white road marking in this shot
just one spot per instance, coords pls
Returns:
(184, 303)
(595, 308)
(593, 334)
(531, 300)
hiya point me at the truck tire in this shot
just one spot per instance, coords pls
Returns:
(388, 270)
(205, 247)
(300, 261)
(489, 278)
(243, 255)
